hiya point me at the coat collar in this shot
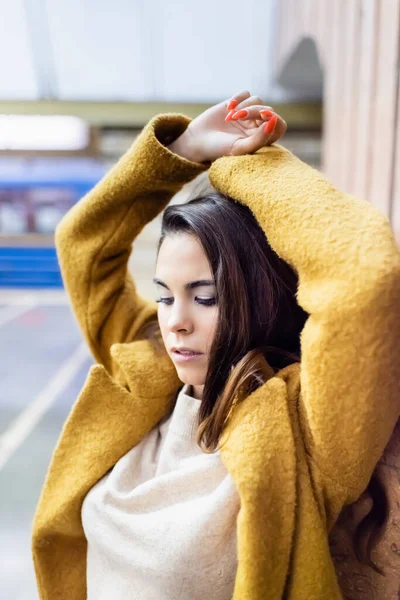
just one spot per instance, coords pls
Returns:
(149, 373)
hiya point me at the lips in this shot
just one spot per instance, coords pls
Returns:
(185, 356)
(185, 351)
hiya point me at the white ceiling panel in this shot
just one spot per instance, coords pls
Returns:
(157, 50)
(136, 50)
(211, 49)
(97, 48)
(17, 73)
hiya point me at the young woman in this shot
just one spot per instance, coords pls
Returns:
(216, 442)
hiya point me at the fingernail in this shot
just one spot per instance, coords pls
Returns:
(240, 114)
(270, 126)
(266, 113)
(229, 116)
(232, 104)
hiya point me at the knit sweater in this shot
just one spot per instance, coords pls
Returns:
(301, 446)
(162, 523)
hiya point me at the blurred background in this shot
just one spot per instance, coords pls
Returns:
(78, 81)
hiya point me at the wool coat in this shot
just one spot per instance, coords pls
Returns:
(302, 445)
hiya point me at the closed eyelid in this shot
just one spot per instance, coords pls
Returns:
(197, 299)
(199, 296)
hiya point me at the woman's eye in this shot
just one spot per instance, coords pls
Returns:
(206, 301)
(165, 300)
(203, 301)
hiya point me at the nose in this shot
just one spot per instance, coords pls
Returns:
(179, 319)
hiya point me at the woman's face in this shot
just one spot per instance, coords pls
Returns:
(187, 309)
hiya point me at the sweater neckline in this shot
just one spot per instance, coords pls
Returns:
(183, 418)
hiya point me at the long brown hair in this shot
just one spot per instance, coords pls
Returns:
(259, 319)
(371, 528)
(259, 323)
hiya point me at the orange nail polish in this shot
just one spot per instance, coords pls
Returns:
(229, 116)
(270, 126)
(266, 113)
(232, 104)
(240, 114)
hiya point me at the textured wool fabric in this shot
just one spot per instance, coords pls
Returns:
(299, 447)
(162, 523)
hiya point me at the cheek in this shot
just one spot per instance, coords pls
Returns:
(211, 326)
(162, 323)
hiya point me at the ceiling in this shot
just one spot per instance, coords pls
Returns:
(137, 50)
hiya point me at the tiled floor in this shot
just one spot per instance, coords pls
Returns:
(33, 347)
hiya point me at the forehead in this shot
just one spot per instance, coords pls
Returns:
(181, 257)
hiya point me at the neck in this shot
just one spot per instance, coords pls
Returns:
(196, 391)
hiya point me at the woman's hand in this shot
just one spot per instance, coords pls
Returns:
(237, 126)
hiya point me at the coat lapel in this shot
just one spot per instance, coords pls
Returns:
(104, 424)
(149, 373)
(258, 450)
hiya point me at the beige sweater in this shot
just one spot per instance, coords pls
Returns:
(162, 524)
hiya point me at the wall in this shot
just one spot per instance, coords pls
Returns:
(357, 45)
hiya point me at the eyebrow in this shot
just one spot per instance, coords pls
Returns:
(187, 286)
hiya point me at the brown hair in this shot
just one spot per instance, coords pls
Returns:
(259, 324)
(256, 292)
(371, 528)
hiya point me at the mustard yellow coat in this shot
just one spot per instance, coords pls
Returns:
(302, 445)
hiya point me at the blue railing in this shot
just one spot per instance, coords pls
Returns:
(29, 267)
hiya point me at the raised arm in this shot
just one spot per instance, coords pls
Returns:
(94, 239)
(348, 264)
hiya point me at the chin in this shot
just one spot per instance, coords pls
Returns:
(187, 377)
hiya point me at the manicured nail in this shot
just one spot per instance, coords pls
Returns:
(270, 126)
(229, 116)
(240, 114)
(266, 113)
(232, 104)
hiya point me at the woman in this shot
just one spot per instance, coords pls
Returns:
(138, 503)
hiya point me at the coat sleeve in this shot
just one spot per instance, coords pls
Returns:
(348, 265)
(94, 239)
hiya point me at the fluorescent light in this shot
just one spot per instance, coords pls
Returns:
(37, 132)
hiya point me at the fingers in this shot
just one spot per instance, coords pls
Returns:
(242, 100)
(250, 144)
(252, 101)
(236, 99)
(278, 132)
(251, 112)
(262, 137)
(252, 108)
